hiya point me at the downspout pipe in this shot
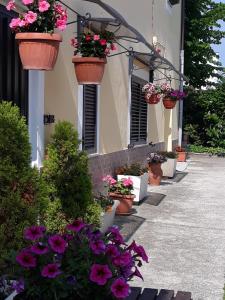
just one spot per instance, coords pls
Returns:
(181, 102)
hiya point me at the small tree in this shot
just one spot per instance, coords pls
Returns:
(66, 172)
(23, 194)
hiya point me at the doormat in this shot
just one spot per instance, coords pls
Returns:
(128, 225)
(179, 176)
(154, 199)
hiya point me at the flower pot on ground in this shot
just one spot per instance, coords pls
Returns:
(90, 56)
(38, 51)
(181, 154)
(169, 167)
(139, 176)
(38, 44)
(121, 190)
(155, 161)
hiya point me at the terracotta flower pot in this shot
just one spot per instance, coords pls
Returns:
(126, 203)
(155, 173)
(181, 156)
(38, 51)
(154, 99)
(89, 70)
(169, 103)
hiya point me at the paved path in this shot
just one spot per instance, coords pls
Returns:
(185, 234)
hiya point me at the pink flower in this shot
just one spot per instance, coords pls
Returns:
(76, 226)
(107, 51)
(103, 42)
(74, 43)
(10, 5)
(26, 260)
(61, 24)
(113, 47)
(39, 249)
(97, 246)
(127, 182)
(57, 243)
(109, 180)
(59, 9)
(51, 271)
(27, 2)
(22, 23)
(34, 232)
(96, 37)
(43, 6)
(30, 17)
(88, 38)
(120, 288)
(100, 274)
(14, 23)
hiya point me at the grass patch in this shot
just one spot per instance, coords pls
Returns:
(202, 149)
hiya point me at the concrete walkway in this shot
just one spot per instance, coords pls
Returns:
(185, 234)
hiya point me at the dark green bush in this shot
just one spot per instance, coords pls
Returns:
(23, 194)
(202, 149)
(66, 172)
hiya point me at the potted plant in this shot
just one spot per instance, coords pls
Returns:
(108, 206)
(181, 154)
(169, 166)
(90, 55)
(153, 93)
(81, 264)
(38, 44)
(139, 176)
(171, 97)
(121, 190)
(155, 161)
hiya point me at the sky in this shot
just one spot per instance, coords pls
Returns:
(221, 48)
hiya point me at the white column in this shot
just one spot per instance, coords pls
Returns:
(36, 116)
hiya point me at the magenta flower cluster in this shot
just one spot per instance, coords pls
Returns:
(84, 260)
(40, 16)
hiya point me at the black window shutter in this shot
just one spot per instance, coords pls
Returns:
(139, 112)
(13, 79)
(90, 119)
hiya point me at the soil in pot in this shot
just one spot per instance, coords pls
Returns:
(126, 203)
(89, 70)
(155, 174)
(38, 51)
(169, 103)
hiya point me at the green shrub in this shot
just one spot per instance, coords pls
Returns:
(202, 149)
(66, 172)
(23, 194)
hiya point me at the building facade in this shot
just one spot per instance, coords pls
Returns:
(114, 122)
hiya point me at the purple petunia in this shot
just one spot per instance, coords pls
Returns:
(39, 249)
(116, 236)
(26, 260)
(76, 226)
(120, 289)
(139, 250)
(18, 286)
(57, 243)
(100, 274)
(34, 232)
(97, 246)
(51, 271)
(112, 251)
(123, 259)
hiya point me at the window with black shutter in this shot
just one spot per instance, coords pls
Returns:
(139, 112)
(90, 118)
(13, 79)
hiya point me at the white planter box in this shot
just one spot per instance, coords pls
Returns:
(140, 186)
(169, 167)
(107, 218)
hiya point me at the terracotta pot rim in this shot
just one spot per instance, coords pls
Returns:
(123, 196)
(38, 36)
(78, 59)
(169, 99)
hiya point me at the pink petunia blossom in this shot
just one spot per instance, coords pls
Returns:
(27, 2)
(57, 243)
(76, 226)
(51, 271)
(96, 37)
(97, 246)
(120, 288)
(26, 260)
(30, 17)
(14, 23)
(61, 24)
(39, 249)
(100, 274)
(11, 5)
(43, 6)
(34, 232)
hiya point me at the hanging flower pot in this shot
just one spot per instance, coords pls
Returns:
(90, 56)
(154, 99)
(38, 51)
(89, 70)
(169, 103)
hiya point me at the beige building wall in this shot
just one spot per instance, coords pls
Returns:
(61, 89)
